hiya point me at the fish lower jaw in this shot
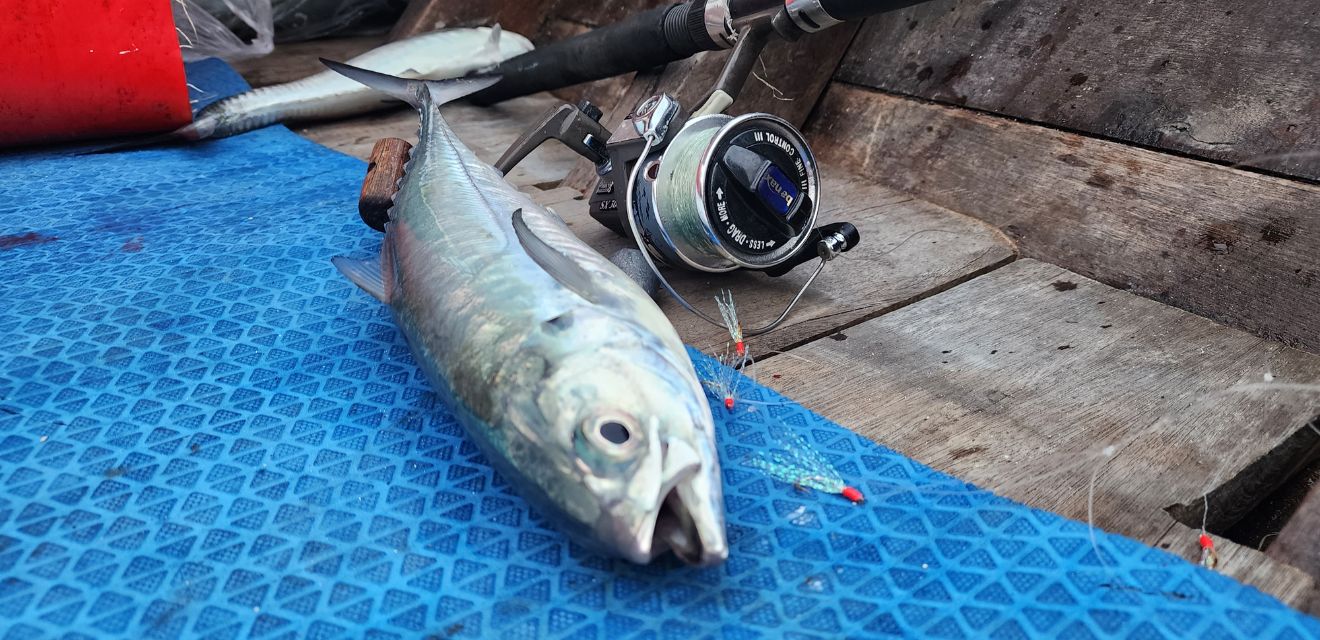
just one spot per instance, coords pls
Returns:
(673, 529)
(676, 531)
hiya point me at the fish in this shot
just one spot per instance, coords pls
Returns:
(328, 95)
(561, 369)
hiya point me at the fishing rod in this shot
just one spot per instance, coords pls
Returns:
(668, 34)
(697, 190)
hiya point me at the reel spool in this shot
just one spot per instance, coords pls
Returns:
(728, 193)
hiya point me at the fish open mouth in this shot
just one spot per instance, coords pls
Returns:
(676, 530)
(689, 519)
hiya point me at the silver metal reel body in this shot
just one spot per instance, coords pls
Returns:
(671, 199)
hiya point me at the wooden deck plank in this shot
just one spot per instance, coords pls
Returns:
(1235, 246)
(1016, 381)
(909, 250)
(1216, 78)
(519, 16)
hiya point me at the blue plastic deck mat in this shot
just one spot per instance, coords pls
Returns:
(206, 432)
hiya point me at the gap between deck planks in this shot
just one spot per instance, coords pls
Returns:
(1017, 386)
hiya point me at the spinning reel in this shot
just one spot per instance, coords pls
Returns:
(703, 191)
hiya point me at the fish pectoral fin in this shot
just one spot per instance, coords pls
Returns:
(364, 273)
(560, 267)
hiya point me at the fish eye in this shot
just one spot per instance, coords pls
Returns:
(615, 432)
(614, 435)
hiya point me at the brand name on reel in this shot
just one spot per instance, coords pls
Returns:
(778, 190)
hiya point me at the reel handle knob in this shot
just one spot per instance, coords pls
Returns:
(836, 238)
(825, 242)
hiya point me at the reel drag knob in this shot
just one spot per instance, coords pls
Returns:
(768, 197)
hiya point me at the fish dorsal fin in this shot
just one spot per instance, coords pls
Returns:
(371, 274)
(560, 267)
(493, 45)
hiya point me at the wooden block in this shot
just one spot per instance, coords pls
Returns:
(1232, 245)
(384, 170)
(1217, 79)
(909, 250)
(1018, 380)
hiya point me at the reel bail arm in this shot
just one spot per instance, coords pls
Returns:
(577, 127)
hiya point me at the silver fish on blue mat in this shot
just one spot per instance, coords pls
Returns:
(570, 379)
(327, 95)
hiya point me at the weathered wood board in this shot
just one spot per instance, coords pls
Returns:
(1219, 79)
(1232, 245)
(596, 14)
(520, 16)
(1018, 380)
(296, 60)
(909, 250)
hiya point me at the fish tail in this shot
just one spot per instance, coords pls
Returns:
(417, 93)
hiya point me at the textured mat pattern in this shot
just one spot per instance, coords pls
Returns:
(206, 432)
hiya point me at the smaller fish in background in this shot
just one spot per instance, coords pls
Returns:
(327, 95)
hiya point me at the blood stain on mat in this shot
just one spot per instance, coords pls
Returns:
(23, 239)
(133, 246)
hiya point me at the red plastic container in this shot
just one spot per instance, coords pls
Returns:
(72, 69)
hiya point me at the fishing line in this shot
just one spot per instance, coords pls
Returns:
(775, 92)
